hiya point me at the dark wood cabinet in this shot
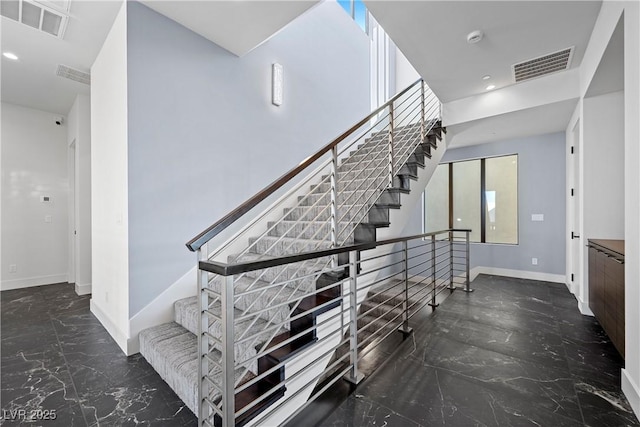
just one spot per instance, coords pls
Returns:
(606, 287)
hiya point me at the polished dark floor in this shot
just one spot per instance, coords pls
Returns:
(513, 353)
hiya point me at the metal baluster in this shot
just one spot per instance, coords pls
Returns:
(334, 203)
(228, 356)
(451, 285)
(404, 328)
(391, 149)
(354, 376)
(468, 251)
(422, 123)
(203, 340)
(433, 272)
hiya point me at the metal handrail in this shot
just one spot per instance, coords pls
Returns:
(230, 269)
(216, 228)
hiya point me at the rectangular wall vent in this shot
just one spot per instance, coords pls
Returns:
(38, 15)
(543, 65)
(73, 74)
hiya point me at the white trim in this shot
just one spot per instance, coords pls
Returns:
(160, 310)
(631, 391)
(29, 282)
(584, 307)
(84, 289)
(519, 274)
(120, 337)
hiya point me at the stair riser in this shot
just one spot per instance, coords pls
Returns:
(274, 247)
(358, 184)
(306, 230)
(345, 213)
(349, 197)
(189, 318)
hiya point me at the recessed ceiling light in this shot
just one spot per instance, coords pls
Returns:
(486, 77)
(491, 87)
(10, 55)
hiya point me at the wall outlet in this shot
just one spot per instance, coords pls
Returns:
(47, 218)
(13, 268)
(534, 261)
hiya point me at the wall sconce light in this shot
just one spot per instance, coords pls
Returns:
(277, 84)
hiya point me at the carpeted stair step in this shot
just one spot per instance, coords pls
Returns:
(187, 315)
(306, 229)
(280, 246)
(275, 299)
(306, 269)
(173, 352)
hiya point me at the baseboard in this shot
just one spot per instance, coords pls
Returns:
(583, 307)
(631, 391)
(84, 289)
(160, 310)
(7, 285)
(120, 337)
(518, 274)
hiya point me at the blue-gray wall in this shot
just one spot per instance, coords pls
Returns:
(204, 137)
(541, 190)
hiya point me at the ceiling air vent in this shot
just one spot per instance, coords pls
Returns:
(42, 15)
(73, 74)
(543, 65)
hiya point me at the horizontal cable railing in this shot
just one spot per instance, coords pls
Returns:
(344, 185)
(289, 348)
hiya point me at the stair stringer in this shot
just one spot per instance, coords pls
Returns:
(398, 218)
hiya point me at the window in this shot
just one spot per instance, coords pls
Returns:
(478, 194)
(356, 10)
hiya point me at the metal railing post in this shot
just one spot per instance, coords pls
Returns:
(391, 149)
(354, 376)
(203, 341)
(433, 272)
(451, 285)
(334, 203)
(404, 328)
(467, 255)
(228, 356)
(422, 123)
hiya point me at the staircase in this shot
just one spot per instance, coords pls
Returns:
(370, 181)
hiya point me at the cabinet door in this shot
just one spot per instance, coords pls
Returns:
(593, 285)
(614, 280)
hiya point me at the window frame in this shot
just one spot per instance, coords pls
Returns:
(483, 198)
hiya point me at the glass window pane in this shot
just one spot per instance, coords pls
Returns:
(466, 197)
(436, 200)
(501, 182)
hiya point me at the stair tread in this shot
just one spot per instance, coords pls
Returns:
(172, 350)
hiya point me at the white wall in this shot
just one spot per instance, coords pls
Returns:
(405, 73)
(608, 18)
(79, 134)
(34, 164)
(603, 158)
(109, 183)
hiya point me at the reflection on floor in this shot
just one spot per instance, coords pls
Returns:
(514, 352)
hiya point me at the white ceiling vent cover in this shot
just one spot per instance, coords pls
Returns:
(46, 16)
(543, 65)
(73, 74)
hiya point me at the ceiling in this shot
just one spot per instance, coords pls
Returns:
(550, 118)
(32, 81)
(238, 26)
(433, 36)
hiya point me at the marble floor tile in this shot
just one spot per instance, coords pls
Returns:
(512, 353)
